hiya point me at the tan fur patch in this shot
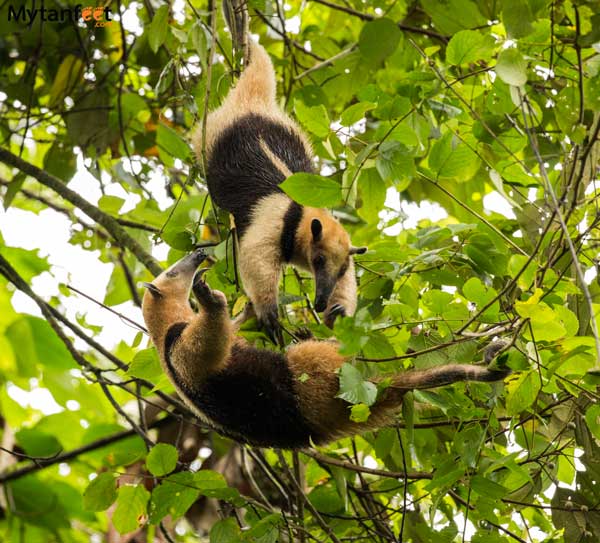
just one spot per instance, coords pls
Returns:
(260, 251)
(277, 162)
(254, 93)
(319, 360)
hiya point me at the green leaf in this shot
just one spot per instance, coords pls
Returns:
(326, 499)
(312, 190)
(226, 531)
(545, 323)
(467, 46)
(68, 75)
(486, 488)
(101, 493)
(378, 39)
(88, 122)
(38, 444)
(521, 391)
(36, 344)
(518, 263)
(145, 365)
(13, 189)
(478, 293)
(174, 496)
(117, 291)
(359, 413)
(372, 191)
(314, 118)
(60, 161)
(512, 67)
(130, 512)
(162, 459)
(213, 484)
(157, 31)
(451, 16)
(181, 231)
(592, 418)
(517, 18)
(38, 501)
(353, 388)
(395, 165)
(199, 41)
(171, 144)
(27, 263)
(110, 204)
(265, 530)
(452, 159)
(356, 112)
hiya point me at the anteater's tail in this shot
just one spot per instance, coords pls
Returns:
(254, 93)
(446, 375)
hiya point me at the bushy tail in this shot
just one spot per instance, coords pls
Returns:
(254, 93)
(255, 90)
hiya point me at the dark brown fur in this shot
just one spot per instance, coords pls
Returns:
(256, 395)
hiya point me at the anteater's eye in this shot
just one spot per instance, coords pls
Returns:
(319, 261)
(343, 271)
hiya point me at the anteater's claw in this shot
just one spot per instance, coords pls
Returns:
(269, 322)
(203, 292)
(336, 310)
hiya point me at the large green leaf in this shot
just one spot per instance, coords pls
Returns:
(467, 46)
(130, 512)
(162, 459)
(453, 159)
(353, 388)
(512, 67)
(314, 118)
(158, 29)
(312, 190)
(521, 391)
(101, 493)
(379, 39)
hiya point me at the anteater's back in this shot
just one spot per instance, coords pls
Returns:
(251, 145)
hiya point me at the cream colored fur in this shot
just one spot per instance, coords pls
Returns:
(260, 252)
(255, 93)
(259, 249)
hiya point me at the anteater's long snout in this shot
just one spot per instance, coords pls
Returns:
(188, 264)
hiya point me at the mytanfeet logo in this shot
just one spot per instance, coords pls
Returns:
(99, 15)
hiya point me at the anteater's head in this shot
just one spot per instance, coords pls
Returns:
(167, 297)
(329, 254)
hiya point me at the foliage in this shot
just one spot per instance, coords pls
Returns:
(461, 105)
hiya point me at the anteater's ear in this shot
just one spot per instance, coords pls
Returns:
(358, 250)
(153, 289)
(317, 229)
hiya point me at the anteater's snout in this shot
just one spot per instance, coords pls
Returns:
(320, 304)
(199, 256)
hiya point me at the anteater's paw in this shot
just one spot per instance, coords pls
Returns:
(304, 334)
(335, 311)
(269, 322)
(209, 299)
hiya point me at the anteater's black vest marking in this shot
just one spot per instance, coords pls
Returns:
(252, 399)
(291, 220)
(173, 334)
(240, 173)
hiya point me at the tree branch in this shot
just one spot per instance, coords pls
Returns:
(109, 223)
(42, 463)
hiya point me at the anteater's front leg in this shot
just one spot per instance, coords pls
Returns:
(205, 344)
(260, 268)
